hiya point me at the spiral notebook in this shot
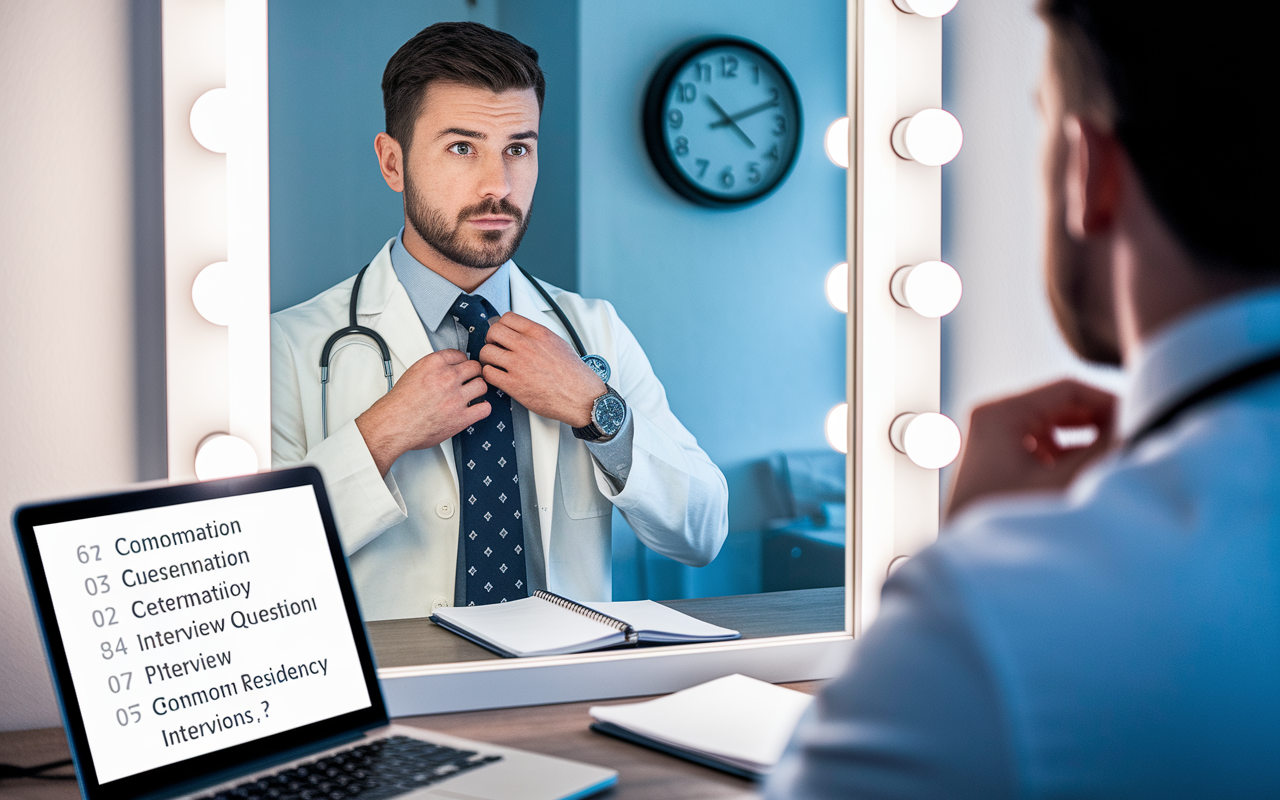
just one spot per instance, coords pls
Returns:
(547, 624)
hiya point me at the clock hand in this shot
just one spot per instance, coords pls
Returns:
(730, 120)
(725, 120)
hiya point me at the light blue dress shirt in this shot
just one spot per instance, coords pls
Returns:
(1119, 640)
(433, 296)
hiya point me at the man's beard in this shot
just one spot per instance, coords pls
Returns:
(1081, 297)
(450, 242)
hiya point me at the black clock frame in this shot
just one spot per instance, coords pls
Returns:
(652, 119)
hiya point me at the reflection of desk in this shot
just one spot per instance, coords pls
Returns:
(408, 642)
(559, 730)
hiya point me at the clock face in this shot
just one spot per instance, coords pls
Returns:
(722, 122)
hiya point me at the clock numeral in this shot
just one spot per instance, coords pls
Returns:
(755, 74)
(772, 153)
(728, 67)
(753, 172)
(686, 92)
(704, 71)
(726, 178)
(674, 118)
(702, 166)
(682, 146)
(780, 124)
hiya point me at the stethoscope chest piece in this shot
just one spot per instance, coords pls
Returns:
(599, 366)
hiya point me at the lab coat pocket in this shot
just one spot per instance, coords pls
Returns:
(576, 473)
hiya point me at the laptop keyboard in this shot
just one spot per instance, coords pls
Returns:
(382, 768)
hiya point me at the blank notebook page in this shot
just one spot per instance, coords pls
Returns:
(646, 615)
(740, 719)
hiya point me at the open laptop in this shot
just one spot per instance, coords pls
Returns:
(205, 641)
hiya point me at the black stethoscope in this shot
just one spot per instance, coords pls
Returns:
(597, 363)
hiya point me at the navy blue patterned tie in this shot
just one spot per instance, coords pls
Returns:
(491, 528)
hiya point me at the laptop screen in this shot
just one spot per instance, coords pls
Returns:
(202, 621)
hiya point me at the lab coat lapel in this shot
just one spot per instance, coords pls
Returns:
(544, 434)
(385, 306)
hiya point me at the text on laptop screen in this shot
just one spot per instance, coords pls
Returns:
(191, 628)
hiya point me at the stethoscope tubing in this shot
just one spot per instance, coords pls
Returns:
(597, 363)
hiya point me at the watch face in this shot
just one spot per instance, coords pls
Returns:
(609, 413)
(722, 121)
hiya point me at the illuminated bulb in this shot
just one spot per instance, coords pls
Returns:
(221, 455)
(932, 137)
(930, 440)
(213, 292)
(837, 428)
(837, 287)
(925, 8)
(209, 120)
(837, 142)
(931, 288)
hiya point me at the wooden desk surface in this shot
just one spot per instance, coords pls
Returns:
(408, 642)
(558, 730)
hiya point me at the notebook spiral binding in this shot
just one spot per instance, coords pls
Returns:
(590, 613)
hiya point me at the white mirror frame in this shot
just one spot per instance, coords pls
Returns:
(216, 208)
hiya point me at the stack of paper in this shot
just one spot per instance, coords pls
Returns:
(737, 724)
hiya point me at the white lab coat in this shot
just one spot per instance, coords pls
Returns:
(401, 533)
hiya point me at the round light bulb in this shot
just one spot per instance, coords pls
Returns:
(925, 8)
(213, 292)
(221, 455)
(931, 288)
(837, 287)
(837, 428)
(209, 120)
(932, 137)
(931, 440)
(837, 142)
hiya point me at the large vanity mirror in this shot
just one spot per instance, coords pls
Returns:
(727, 303)
(730, 303)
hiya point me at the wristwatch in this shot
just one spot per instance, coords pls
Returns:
(608, 412)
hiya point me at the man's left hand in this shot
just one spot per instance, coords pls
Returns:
(540, 370)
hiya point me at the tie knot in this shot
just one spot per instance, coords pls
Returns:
(474, 312)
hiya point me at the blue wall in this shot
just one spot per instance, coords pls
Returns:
(729, 305)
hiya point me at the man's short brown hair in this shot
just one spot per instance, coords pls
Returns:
(458, 52)
(1181, 84)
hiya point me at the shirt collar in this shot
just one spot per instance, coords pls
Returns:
(433, 295)
(1198, 349)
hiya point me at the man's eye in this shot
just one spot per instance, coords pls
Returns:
(517, 150)
(462, 149)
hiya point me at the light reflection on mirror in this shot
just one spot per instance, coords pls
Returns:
(728, 305)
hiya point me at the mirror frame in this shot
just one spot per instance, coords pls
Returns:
(216, 208)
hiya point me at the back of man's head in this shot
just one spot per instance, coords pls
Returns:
(458, 52)
(1185, 88)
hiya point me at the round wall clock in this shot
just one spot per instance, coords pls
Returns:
(722, 121)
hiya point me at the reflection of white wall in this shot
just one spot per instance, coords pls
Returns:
(67, 417)
(1002, 337)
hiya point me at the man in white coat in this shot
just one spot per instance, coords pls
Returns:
(434, 505)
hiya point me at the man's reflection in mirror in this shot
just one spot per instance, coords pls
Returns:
(520, 414)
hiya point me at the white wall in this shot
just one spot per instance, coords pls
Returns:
(68, 408)
(1002, 337)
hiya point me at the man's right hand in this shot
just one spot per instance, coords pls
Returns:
(430, 403)
(1011, 448)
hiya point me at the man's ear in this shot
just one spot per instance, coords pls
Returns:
(1093, 177)
(390, 161)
